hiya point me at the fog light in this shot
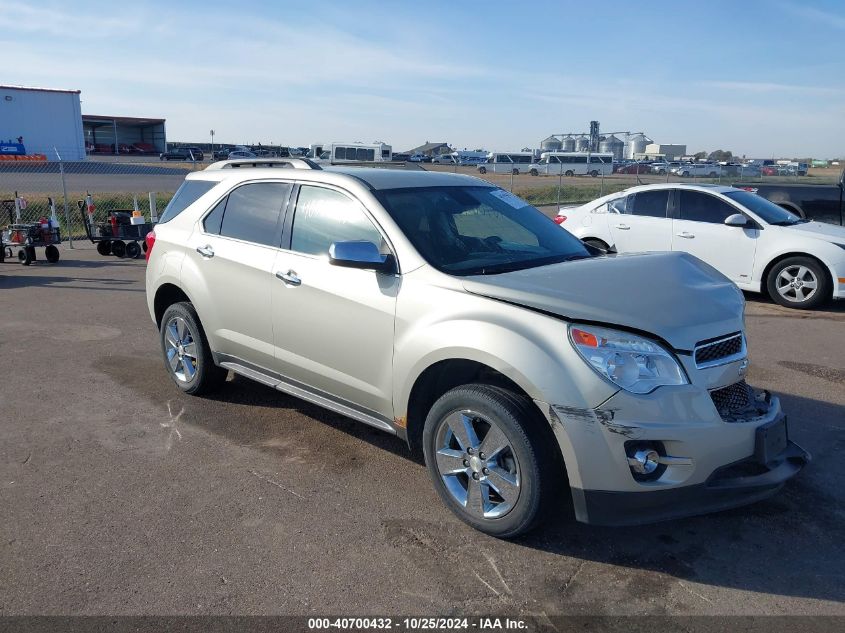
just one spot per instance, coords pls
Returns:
(645, 461)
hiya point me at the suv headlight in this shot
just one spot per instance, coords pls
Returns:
(632, 362)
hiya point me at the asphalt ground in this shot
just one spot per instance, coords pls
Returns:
(120, 495)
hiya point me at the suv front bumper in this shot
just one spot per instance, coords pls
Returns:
(728, 487)
(724, 463)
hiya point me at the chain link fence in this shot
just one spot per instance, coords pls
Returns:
(30, 191)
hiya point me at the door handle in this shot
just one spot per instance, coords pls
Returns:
(624, 227)
(686, 235)
(289, 278)
(205, 251)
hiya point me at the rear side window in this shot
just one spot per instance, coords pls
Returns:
(186, 195)
(252, 213)
(702, 207)
(324, 216)
(648, 203)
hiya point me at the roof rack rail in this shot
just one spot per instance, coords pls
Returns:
(246, 163)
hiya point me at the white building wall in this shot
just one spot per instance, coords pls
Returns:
(47, 120)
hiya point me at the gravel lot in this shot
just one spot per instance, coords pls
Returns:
(119, 495)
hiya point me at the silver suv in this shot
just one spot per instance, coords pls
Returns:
(525, 367)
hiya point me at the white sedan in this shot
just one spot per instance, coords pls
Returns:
(760, 246)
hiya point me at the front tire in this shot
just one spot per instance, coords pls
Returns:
(187, 356)
(534, 172)
(569, 173)
(799, 282)
(482, 170)
(490, 458)
(594, 173)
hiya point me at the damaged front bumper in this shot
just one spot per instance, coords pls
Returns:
(724, 450)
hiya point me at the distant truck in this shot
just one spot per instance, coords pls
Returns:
(821, 203)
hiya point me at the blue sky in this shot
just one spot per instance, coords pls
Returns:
(760, 78)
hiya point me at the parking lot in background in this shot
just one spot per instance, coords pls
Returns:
(121, 495)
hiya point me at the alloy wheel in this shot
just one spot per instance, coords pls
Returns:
(181, 349)
(797, 284)
(477, 464)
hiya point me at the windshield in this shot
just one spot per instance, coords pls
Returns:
(478, 230)
(768, 211)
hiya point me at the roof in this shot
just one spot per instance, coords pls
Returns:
(33, 89)
(126, 120)
(397, 178)
(426, 147)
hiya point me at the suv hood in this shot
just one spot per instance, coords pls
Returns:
(674, 296)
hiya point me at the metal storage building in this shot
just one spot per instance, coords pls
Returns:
(124, 134)
(48, 121)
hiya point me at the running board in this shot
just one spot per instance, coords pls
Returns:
(303, 393)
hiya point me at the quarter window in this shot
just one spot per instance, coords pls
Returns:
(702, 207)
(213, 220)
(188, 193)
(252, 213)
(324, 216)
(649, 203)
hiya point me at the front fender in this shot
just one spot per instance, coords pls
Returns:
(530, 348)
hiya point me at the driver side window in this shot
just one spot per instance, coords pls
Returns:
(702, 207)
(324, 216)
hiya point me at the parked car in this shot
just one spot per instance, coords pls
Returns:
(419, 158)
(447, 311)
(221, 153)
(662, 168)
(820, 203)
(443, 159)
(687, 170)
(633, 168)
(182, 153)
(758, 245)
(241, 153)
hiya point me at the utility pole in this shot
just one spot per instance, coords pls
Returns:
(212, 141)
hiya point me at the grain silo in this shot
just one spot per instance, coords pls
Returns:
(612, 145)
(551, 144)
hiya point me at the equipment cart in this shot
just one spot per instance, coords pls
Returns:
(27, 236)
(118, 236)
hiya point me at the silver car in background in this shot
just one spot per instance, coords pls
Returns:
(527, 368)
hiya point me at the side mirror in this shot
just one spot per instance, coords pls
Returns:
(360, 254)
(737, 219)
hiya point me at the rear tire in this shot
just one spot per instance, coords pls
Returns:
(187, 356)
(118, 249)
(25, 256)
(594, 173)
(51, 253)
(515, 482)
(569, 173)
(104, 247)
(799, 282)
(133, 250)
(534, 172)
(482, 170)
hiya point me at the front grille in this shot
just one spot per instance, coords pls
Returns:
(739, 403)
(712, 352)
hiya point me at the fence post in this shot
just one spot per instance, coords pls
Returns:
(511, 180)
(601, 192)
(67, 213)
(559, 183)
(17, 208)
(153, 210)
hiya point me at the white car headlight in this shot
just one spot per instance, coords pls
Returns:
(636, 364)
